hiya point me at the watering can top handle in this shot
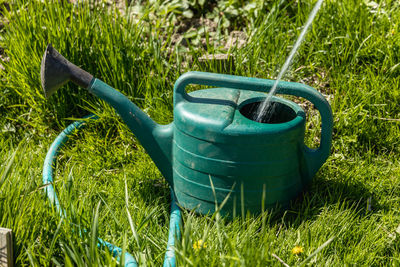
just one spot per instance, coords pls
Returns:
(314, 157)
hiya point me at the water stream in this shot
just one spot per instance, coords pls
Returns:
(265, 110)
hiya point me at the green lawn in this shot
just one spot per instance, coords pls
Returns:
(351, 55)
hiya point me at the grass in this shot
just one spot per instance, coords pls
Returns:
(351, 55)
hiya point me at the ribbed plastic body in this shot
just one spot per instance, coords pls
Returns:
(222, 154)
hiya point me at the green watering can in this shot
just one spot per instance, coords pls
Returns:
(214, 152)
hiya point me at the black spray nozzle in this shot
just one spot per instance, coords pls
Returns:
(56, 70)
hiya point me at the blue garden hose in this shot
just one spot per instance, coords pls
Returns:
(48, 166)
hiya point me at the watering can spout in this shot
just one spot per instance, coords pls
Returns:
(56, 70)
(155, 138)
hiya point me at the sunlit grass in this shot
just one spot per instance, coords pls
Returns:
(351, 55)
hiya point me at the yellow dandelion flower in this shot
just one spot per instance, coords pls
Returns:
(297, 250)
(199, 244)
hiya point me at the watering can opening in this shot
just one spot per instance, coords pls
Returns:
(277, 112)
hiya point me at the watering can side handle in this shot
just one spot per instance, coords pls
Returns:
(314, 157)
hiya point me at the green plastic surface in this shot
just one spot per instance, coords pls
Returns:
(212, 152)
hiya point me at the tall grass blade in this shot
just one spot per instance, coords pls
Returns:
(7, 170)
(133, 229)
(94, 233)
(317, 251)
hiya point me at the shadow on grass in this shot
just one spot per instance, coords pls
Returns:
(323, 193)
